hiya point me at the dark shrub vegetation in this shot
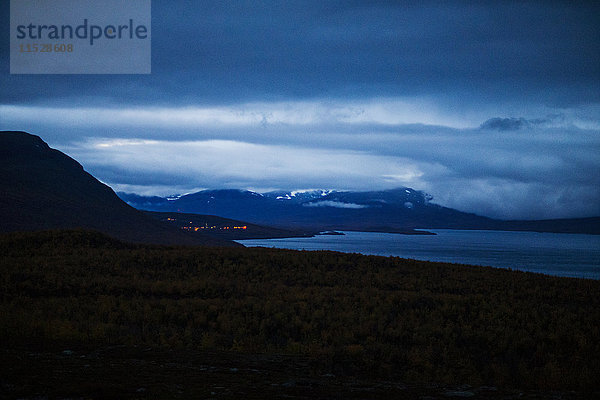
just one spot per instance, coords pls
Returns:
(351, 314)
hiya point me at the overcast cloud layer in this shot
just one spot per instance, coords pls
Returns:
(491, 109)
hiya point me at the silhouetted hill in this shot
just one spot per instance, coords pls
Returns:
(43, 189)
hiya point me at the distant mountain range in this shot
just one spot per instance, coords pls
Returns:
(399, 210)
(44, 189)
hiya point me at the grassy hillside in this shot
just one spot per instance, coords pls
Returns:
(344, 315)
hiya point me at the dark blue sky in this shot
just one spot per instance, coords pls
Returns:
(345, 95)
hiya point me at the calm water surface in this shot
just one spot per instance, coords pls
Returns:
(549, 253)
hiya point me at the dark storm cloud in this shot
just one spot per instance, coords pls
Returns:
(511, 124)
(223, 52)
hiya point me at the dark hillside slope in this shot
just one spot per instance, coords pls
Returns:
(42, 188)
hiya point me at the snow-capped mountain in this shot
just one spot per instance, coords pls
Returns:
(345, 199)
(299, 196)
(401, 209)
(396, 209)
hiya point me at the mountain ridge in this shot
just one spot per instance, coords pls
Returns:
(396, 210)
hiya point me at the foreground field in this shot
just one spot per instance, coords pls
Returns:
(84, 315)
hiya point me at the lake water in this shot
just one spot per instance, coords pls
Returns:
(559, 254)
